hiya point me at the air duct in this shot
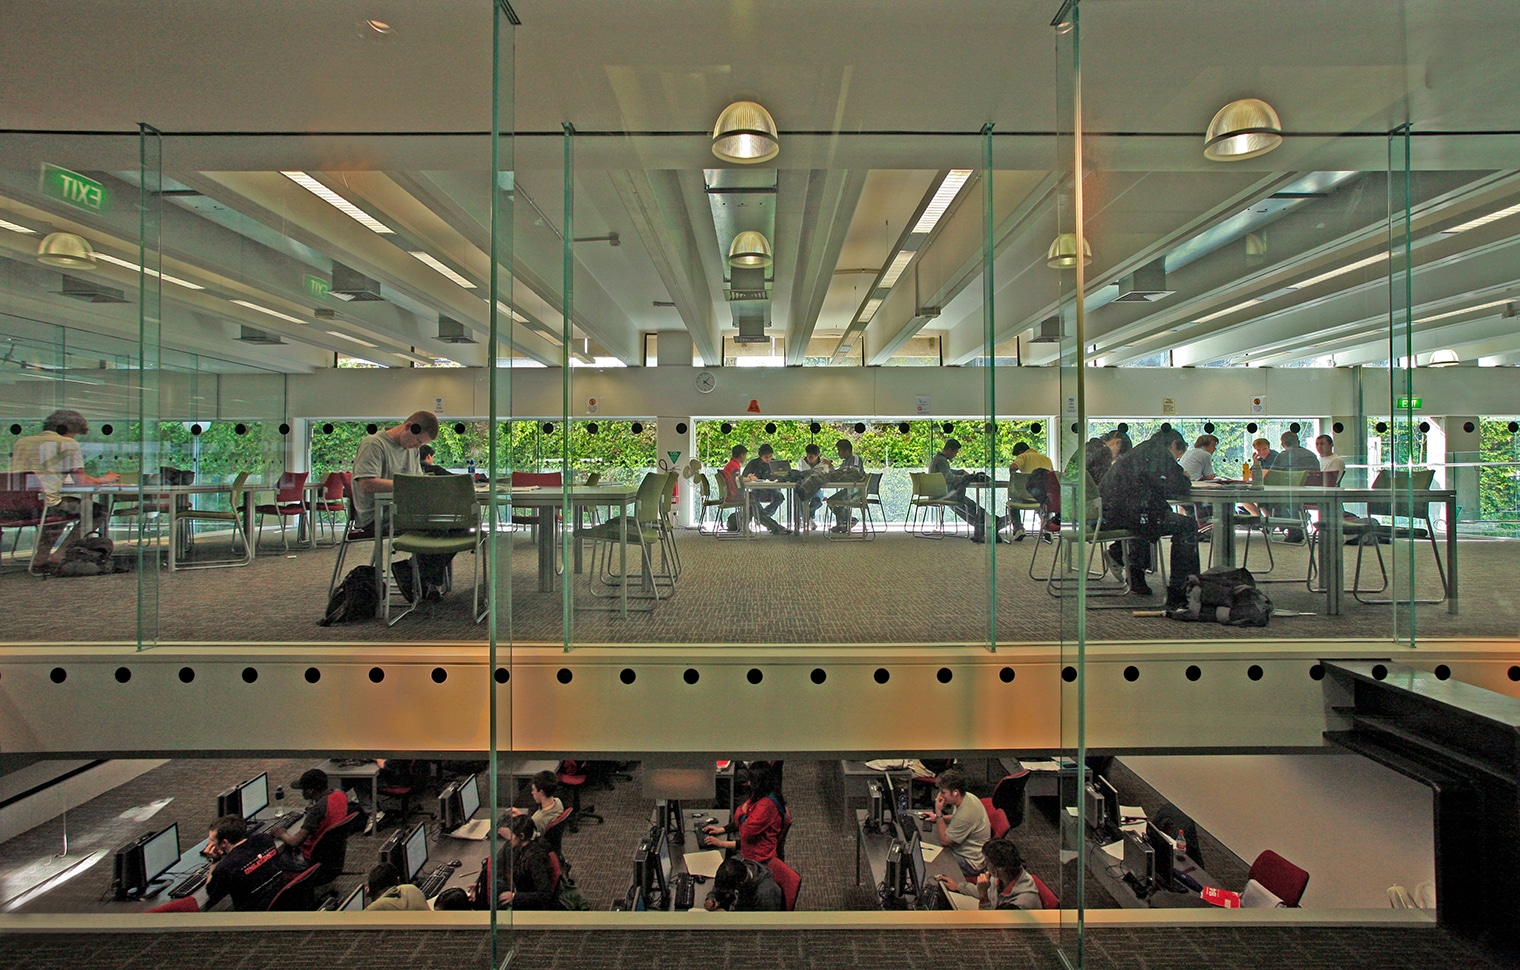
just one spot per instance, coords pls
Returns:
(78, 289)
(1145, 285)
(353, 286)
(1048, 331)
(451, 331)
(253, 335)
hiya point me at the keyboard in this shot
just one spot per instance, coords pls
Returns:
(685, 888)
(432, 884)
(192, 881)
(282, 821)
(932, 896)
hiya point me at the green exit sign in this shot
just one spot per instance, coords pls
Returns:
(318, 288)
(1409, 403)
(75, 189)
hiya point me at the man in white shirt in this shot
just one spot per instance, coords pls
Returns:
(1329, 461)
(966, 830)
(54, 457)
(1198, 464)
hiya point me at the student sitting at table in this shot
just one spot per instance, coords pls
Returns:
(390, 894)
(542, 787)
(742, 886)
(763, 502)
(425, 456)
(380, 458)
(526, 856)
(1005, 885)
(760, 823)
(956, 481)
(1041, 484)
(324, 809)
(960, 822)
(849, 468)
(246, 866)
(813, 460)
(1138, 493)
(54, 457)
(1331, 465)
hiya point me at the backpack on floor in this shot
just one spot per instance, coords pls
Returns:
(90, 556)
(354, 599)
(1227, 596)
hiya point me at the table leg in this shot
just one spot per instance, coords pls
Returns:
(1332, 558)
(1451, 554)
(377, 557)
(1223, 535)
(173, 504)
(545, 532)
(623, 558)
(253, 546)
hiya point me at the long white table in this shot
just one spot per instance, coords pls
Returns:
(166, 496)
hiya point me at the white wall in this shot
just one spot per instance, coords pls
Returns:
(1356, 826)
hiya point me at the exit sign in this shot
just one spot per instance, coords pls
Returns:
(73, 188)
(1409, 403)
(318, 288)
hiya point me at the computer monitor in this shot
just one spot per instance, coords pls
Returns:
(1164, 848)
(469, 799)
(1139, 859)
(648, 874)
(916, 854)
(230, 802)
(160, 853)
(1110, 799)
(665, 860)
(355, 902)
(254, 796)
(415, 850)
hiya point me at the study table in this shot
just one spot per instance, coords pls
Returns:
(875, 846)
(1331, 500)
(796, 514)
(154, 496)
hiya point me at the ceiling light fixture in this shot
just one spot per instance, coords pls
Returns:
(1063, 252)
(943, 196)
(1226, 311)
(1444, 357)
(124, 264)
(66, 250)
(15, 228)
(750, 250)
(868, 311)
(436, 264)
(1484, 220)
(1466, 309)
(363, 343)
(338, 202)
(895, 270)
(1242, 129)
(272, 313)
(745, 133)
(1348, 268)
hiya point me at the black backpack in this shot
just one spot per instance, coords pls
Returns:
(354, 598)
(1223, 595)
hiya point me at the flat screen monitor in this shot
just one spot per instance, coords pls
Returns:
(665, 862)
(1139, 859)
(355, 902)
(160, 853)
(916, 853)
(255, 795)
(1164, 847)
(230, 802)
(1110, 799)
(416, 851)
(469, 799)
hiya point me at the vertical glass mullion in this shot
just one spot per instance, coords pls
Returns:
(1401, 384)
(567, 333)
(149, 345)
(989, 385)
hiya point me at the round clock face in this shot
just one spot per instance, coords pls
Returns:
(706, 382)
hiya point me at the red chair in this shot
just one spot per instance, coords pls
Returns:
(554, 833)
(1279, 877)
(186, 905)
(998, 819)
(289, 502)
(22, 505)
(332, 501)
(329, 850)
(354, 533)
(296, 895)
(1011, 797)
(787, 878)
(1048, 899)
(573, 775)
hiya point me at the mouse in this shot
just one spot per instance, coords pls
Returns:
(455, 864)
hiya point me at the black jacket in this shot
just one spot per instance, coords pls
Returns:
(1139, 488)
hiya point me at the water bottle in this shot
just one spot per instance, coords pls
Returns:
(1245, 471)
(472, 469)
(1182, 846)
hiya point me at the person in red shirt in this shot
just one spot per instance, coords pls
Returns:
(760, 823)
(731, 473)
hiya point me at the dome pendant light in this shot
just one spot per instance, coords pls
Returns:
(66, 250)
(745, 133)
(750, 250)
(1063, 252)
(1242, 129)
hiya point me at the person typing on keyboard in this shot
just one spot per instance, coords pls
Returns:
(325, 808)
(742, 886)
(526, 856)
(390, 894)
(1005, 885)
(246, 867)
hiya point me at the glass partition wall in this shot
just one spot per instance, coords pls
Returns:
(691, 392)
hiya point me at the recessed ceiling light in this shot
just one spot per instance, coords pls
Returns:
(1466, 309)
(436, 264)
(1348, 268)
(943, 196)
(15, 228)
(1484, 220)
(338, 202)
(895, 270)
(867, 311)
(272, 313)
(363, 343)
(124, 264)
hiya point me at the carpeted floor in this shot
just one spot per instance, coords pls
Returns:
(821, 845)
(897, 589)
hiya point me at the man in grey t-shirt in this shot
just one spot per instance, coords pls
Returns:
(968, 829)
(381, 457)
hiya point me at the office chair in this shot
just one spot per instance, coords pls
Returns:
(788, 879)
(1370, 532)
(327, 505)
(554, 832)
(289, 502)
(186, 905)
(353, 532)
(298, 892)
(232, 517)
(572, 775)
(329, 850)
(1279, 877)
(1011, 797)
(1048, 899)
(997, 817)
(433, 515)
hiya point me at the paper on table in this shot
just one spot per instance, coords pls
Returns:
(704, 863)
(1115, 849)
(1136, 827)
(1132, 811)
(962, 901)
(1041, 765)
(930, 850)
(475, 830)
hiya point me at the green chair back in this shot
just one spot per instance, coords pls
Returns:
(651, 492)
(434, 503)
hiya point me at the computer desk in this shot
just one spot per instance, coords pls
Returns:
(857, 779)
(1108, 872)
(339, 774)
(693, 836)
(875, 846)
(193, 858)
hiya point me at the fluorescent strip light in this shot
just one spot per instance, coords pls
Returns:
(151, 272)
(273, 313)
(1458, 313)
(15, 228)
(1484, 220)
(867, 311)
(1226, 311)
(942, 199)
(364, 343)
(503, 308)
(895, 270)
(435, 264)
(337, 202)
(1348, 268)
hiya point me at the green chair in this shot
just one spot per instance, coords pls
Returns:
(1371, 532)
(1291, 516)
(433, 515)
(850, 500)
(667, 523)
(929, 490)
(643, 528)
(1020, 501)
(232, 517)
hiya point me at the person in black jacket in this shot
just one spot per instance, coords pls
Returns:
(526, 856)
(1138, 491)
(425, 455)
